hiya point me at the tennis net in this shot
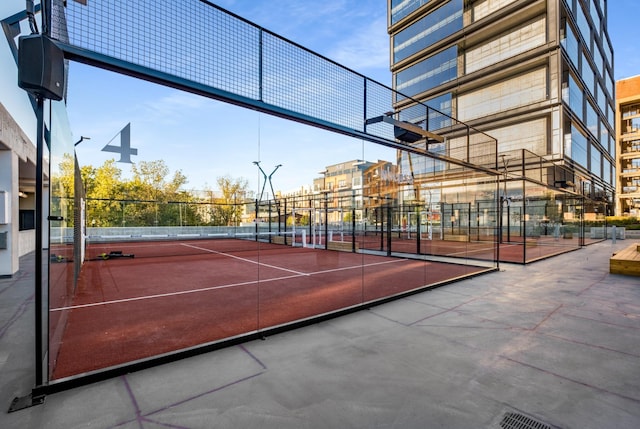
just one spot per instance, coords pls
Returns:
(181, 242)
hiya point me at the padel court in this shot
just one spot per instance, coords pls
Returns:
(414, 194)
(139, 299)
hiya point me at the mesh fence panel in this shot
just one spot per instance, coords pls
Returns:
(199, 43)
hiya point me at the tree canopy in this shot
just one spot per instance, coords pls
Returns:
(151, 196)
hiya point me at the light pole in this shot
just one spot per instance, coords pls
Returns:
(268, 178)
(504, 199)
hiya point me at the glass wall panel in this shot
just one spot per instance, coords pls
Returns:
(205, 221)
(438, 24)
(553, 222)
(62, 285)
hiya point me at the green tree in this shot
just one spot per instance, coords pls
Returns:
(104, 192)
(159, 200)
(228, 208)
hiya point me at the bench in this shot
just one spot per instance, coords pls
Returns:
(343, 246)
(279, 239)
(456, 237)
(626, 261)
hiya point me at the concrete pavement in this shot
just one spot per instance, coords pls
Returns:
(556, 342)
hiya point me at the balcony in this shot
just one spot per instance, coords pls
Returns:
(630, 172)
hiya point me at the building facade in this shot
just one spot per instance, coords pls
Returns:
(341, 186)
(628, 138)
(536, 75)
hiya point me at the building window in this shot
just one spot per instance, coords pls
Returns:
(485, 8)
(439, 24)
(602, 100)
(576, 146)
(597, 59)
(583, 25)
(27, 220)
(594, 16)
(573, 96)
(522, 90)
(531, 135)
(571, 46)
(596, 162)
(592, 120)
(429, 73)
(588, 75)
(606, 170)
(517, 41)
(604, 136)
(402, 8)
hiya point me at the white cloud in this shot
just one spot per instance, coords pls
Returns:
(365, 48)
(174, 107)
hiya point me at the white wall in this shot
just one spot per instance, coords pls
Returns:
(16, 102)
(9, 257)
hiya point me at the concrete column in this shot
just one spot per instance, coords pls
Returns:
(9, 257)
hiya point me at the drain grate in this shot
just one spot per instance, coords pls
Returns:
(520, 421)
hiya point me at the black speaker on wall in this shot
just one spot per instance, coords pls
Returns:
(40, 66)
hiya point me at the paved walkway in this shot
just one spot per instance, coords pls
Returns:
(557, 341)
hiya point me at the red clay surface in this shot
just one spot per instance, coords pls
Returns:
(125, 309)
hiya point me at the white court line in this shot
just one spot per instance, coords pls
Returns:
(164, 295)
(185, 292)
(244, 259)
(355, 267)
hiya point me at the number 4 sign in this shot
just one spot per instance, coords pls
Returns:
(125, 150)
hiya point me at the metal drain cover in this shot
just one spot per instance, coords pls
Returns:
(513, 420)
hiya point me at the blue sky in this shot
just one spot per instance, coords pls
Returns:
(206, 139)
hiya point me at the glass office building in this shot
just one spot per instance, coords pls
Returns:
(535, 75)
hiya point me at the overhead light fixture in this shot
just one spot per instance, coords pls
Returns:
(406, 131)
(22, 194)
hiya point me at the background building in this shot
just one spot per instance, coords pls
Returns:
(628, 138)
(536, 75)
(17, 150)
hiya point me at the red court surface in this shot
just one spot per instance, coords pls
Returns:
(130, 308)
